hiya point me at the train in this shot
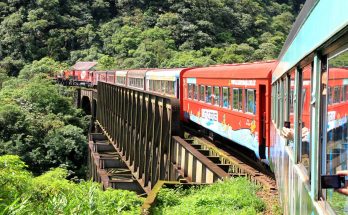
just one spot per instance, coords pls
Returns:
(227, 101)
(292, 113)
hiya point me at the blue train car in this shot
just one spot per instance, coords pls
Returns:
(309, 110)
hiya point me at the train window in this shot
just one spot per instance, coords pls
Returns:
(136, 82)
(171, 88)
(329, 93)
(336, 146)
(195, 93)
(208, 95)
(226, 97)
(164, 86)
(201, 93)
(284, 101)
(305, 120)
(292, 105)
(217, 96)
(250, 106)
(190, 91)
(157, 86)
(151, 85)
(278, 100)
(337, 95)
(273, 102)
(345, 92)
(238, 99)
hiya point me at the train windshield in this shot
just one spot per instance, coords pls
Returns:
(335, 86)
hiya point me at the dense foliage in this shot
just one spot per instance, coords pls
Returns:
(235, 196)
(51, 193)
(39, 122)
(142, 33)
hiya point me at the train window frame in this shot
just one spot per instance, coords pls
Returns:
(228, 97)
(301, 136)
(193, 91)
(324, 144)
(246, 100)
(208, 99)
(189, 86)
(195, 95)
(343, 94)
(278, 98)
(336, 95)
(272, 103)
(201, 93)
(240, 101)
(330, 97)
(170, 88)
(291, 101)
(164, 87)
(217, 100)
(150, 85)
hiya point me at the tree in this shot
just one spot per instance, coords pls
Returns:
(44, 66)
(39, 123)
(52, 193)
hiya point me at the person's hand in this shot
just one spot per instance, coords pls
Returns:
(343, 190)
(305, 132)
(288, 133)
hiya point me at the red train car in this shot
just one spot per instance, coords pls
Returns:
(99, 76)
(82, 73)
(337, 101)
(110, 77)
(337, 97)
(232, 101)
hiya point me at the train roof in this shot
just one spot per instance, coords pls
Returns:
(84, 65)
(164, 73)
(334, 73)
(257, 70)
(338, 73)
(137, 73)
(99, 71)
(121, 72)
(305, 36)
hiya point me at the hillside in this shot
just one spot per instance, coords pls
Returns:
(142, 33)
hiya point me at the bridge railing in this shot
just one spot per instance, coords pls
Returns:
(191, 165)
(140, 125)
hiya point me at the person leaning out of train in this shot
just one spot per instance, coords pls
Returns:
(288, 133)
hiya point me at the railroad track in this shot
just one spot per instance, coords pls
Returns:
(232, 161)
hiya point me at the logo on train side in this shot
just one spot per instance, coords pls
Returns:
(83, 74)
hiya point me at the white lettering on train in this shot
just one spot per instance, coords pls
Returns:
(210, 114)
(244, 82)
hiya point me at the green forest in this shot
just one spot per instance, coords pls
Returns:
(43, 151)
(142, 33)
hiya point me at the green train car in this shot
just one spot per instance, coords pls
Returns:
(310, 110)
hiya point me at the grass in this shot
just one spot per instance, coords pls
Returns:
(234, 196)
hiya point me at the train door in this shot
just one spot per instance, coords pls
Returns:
(262, 121)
